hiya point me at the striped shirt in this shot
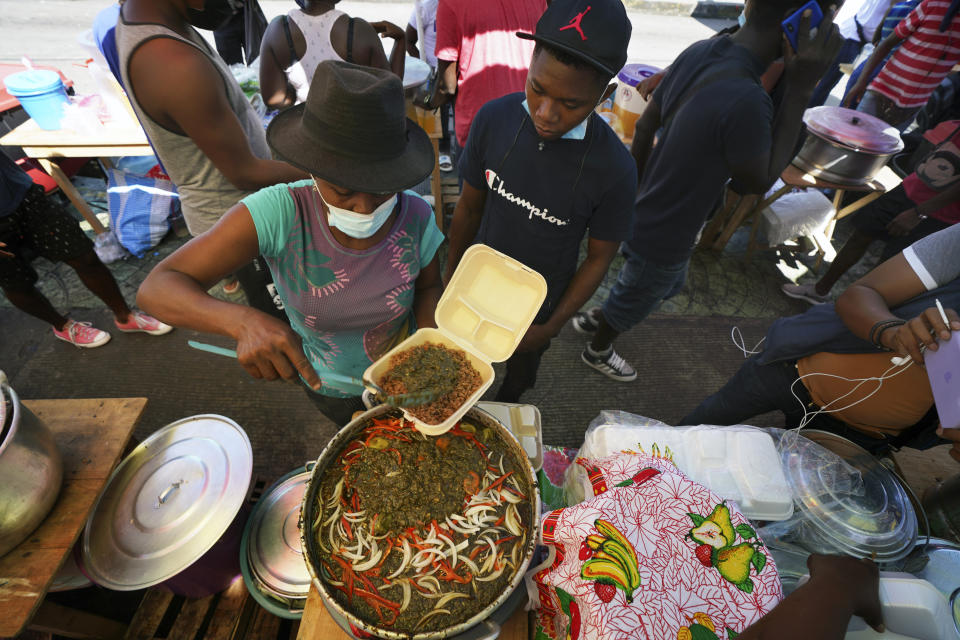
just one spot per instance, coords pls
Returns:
(925, 57)
(897, 13)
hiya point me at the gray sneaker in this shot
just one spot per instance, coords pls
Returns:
(609, 364)
(587, 322)
(806, 292)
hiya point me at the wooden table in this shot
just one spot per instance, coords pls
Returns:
(44, 145)
(923, 470)
(317, 624)
(91, 435)
(741, 209)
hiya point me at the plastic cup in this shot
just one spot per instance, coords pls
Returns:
(627, 103)
(42, 95)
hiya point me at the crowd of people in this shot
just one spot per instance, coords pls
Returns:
(322, 198)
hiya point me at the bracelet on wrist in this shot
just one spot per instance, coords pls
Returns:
(876, 332)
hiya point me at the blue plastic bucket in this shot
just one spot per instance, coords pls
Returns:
(42, 95)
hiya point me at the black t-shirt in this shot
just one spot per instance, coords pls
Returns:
(542, 196)
(727, 122)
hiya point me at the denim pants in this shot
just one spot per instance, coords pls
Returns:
(640, 288)
(874, 104)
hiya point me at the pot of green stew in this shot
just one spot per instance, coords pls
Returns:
(409, 536)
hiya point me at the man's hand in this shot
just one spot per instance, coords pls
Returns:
(953, 435)
(536, 337)
(808, 64)
(904, 222)
(922, 330)
(855, 95)
(4, 254)
(646, 87)
(387, 29)
(269, 349)
(853, 579)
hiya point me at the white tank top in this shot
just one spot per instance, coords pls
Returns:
(316, 33)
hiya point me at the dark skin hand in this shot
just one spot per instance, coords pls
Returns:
(876, 58)
(412, 39)
(907, 220)
(559, 97)
(447, 77)
(176, 289)
(839, 587)
(4, 254)
(275, 58)
(398, 55)
(198, 108)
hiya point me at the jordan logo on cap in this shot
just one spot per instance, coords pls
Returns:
(575, 23)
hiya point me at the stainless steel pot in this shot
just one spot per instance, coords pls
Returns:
(360, 628)
(31, 470)
(845, 146)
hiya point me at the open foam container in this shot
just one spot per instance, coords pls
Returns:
(485, 311)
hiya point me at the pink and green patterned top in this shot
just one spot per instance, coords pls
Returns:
(348, 306)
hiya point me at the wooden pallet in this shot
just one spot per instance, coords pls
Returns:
(229, 615)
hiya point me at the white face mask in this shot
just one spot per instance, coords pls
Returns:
(742, 18)
(358, 225)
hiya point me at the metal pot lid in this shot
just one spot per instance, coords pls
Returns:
(852, 501)
(854, 129)
(168, 502)
(273, 538)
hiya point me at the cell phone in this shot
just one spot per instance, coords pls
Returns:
(791, 26)
(943, 369)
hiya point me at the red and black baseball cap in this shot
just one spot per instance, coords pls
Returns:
(596, 31)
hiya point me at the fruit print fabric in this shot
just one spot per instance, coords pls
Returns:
(675, 590)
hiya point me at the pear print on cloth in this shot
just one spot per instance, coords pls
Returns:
(653, 556)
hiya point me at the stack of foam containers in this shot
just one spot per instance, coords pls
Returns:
(741, 464)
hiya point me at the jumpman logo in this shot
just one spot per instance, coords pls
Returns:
(575, 23)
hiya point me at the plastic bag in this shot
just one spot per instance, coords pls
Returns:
(800, 213)
(653, 555)
(140, 208)
(740, 463)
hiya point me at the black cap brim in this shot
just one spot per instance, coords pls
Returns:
(571, 50)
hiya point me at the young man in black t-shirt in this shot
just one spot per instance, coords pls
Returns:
(541, 170)
(716, 123)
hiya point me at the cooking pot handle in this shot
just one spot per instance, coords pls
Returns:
(493, 630)
(306, 465)
(3, 379)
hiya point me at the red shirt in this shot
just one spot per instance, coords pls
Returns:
(479, 35)
(926, 56)
(939, 170)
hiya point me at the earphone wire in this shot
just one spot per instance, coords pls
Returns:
(740, 342)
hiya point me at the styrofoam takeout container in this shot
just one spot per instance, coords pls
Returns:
(486, 309)
(739, 464)
(912, 608)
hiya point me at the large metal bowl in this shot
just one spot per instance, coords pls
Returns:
(31, 470)
(361, 628)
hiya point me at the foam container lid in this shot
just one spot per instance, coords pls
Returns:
(742, 465)
(486, 309)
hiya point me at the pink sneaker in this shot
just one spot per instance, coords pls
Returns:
(141, 322)
(82, 334)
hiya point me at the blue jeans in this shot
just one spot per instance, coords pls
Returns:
(882, 107)
(848, 53)
(640, 288)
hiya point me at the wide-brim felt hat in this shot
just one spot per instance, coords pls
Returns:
(353, 131)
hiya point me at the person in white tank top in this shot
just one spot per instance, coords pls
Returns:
(295, 43)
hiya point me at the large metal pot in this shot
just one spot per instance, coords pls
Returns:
(846, 147)
(358, 627)
(31, 469)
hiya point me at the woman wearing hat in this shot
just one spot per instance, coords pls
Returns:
(353, 256)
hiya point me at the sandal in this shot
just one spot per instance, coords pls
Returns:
(445, 163)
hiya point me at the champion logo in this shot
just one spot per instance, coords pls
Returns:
(496, 185)
(575, 23)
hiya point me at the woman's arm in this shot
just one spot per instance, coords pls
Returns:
(276, 89)
(176, 291)
(426, 295)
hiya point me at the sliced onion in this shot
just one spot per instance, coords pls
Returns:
(470, 565)
(433, 581)
(406, 596)
(512, 520)
(336, 514)
(492, 576)
(511, 497)
(477, 510)
(335, 496)
(369, 564)
(430, 615)
(403, 562)
(447, 597)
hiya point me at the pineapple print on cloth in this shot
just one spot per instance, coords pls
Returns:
(651, 556)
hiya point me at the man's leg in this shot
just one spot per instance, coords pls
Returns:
(754, 389)
(640, 288)
(850, 254)
(521, 374)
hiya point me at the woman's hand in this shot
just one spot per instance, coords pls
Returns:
(904, 222)
(953, 435)
(269, 349)
(855, 579)
(387, 29)
(923, 330)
